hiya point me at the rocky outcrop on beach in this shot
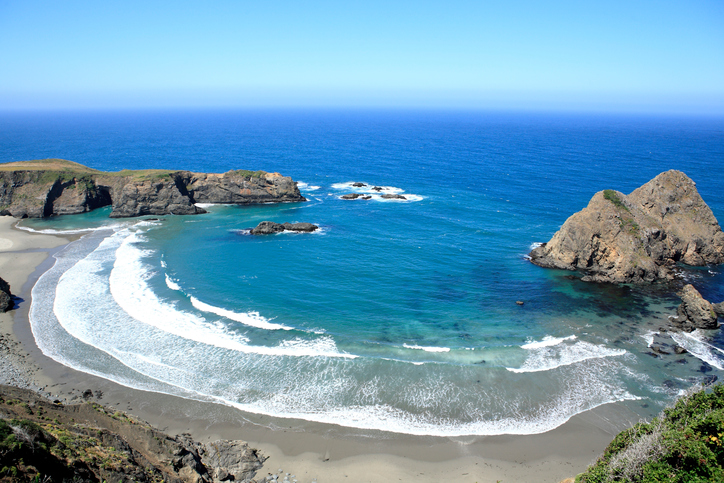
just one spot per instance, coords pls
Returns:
(37, 189)
(694, 312)
(89, 442)
(269, 227)
(6, 298)
(638, 237)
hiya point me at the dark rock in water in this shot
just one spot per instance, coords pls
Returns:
(269, 227)
(351, 196)
(658, 349)
(680, 350)
(366, 197)
(359, 185)
(709, 380)
(393, 197)
(682, 361)
(376, 188)
(6, 298)
(303, 227)
(694, 312)
(639, 237)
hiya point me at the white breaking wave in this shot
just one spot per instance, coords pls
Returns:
(252, 319)
(426, 349)
(171, 283)
(551, 353)
(376, 194)
(649, 337)
(305, 187)
(547, 341)
(50, 231)
(699, 348)
(207, 205)
(535, 245)
(129, 287)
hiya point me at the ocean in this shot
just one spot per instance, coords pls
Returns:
(396, 316)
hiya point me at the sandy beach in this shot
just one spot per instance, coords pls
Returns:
(309, 451)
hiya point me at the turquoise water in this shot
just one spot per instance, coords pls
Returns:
(398, 316)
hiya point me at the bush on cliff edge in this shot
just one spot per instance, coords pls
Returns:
(682, 445)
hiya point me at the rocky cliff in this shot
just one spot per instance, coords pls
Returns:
(36, 189)
(637, 237)
(45, 441)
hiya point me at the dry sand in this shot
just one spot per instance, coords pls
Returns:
(309, 451)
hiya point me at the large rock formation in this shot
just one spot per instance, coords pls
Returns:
(639, 237)
(36, 189)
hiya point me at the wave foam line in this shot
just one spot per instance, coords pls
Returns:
(699, 348)
(426, 349)
(252, 319)
(51, 231)
(548, 341)
(546, 358)
(130, 289)
(306, 187)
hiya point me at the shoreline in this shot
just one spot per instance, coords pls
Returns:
(305, 449)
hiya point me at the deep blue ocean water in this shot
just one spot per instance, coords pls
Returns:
(399, 316)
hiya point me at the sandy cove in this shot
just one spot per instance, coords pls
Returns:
(326, 453)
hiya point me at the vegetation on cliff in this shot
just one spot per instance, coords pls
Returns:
(684, 444)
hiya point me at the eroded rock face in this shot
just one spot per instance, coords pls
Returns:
(694, 312)
(639, 237)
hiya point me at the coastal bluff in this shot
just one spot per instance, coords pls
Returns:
(48, 187)
(639, 237)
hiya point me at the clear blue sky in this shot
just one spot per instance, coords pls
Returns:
(658, 56)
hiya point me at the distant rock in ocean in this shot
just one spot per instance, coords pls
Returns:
(269, 227)
(638, 237)
(42, 188)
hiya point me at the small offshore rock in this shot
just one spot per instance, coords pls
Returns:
(302, 227)
(680, 350)
(694, 312)
(267, 228)
(366, 197)
(351, 196)
(393, 197)
(359, 185)
(377, 188)
(719, 309)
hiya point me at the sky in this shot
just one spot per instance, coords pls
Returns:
(629, 56)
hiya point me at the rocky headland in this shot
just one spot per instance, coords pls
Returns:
(639, 237)
(43, 188)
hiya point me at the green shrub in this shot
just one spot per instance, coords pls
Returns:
(611, 196)
(682, 445)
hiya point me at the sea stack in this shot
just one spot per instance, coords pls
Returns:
(639, 237)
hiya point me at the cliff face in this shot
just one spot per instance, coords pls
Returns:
(639, 237)
(54, 187)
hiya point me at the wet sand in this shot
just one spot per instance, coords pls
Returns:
(306, 450)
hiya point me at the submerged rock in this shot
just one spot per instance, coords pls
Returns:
(638, 237)
(351, 196)
(393, 197)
